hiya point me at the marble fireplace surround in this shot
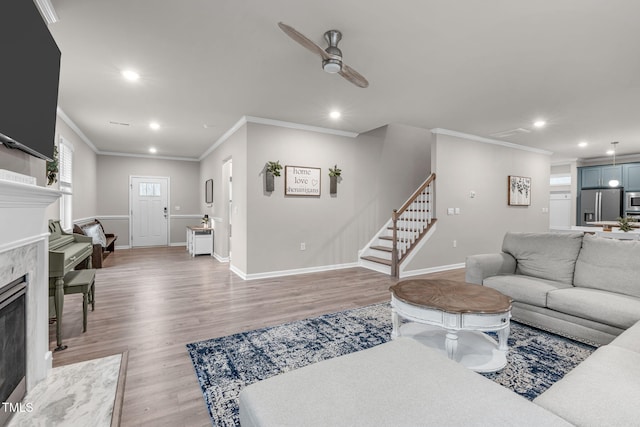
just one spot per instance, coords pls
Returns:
(24, 250)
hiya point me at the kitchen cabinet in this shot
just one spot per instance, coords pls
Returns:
(631, 176)
(599, 176)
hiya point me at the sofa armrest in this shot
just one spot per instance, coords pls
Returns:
(479, 267)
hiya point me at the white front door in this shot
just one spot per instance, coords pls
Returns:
(149, 211)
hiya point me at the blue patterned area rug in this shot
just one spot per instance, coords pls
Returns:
(225, 365)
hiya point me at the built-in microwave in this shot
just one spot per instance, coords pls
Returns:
(632, 202)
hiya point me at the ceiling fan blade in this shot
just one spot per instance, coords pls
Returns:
(353, 76)
(303, 40)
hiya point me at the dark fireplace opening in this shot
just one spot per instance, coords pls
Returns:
(13, 346)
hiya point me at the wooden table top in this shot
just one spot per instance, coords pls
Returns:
(451, 296)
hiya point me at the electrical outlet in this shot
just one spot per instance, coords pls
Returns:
(303, 246)
(457, 211)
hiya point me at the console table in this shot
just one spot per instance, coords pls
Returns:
(199, 240)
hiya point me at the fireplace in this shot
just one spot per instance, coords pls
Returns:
(13, 346)
(24, 282)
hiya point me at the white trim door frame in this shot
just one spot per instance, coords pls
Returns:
(149, 220)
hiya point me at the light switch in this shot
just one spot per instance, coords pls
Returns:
(457, 211)
(449, 211)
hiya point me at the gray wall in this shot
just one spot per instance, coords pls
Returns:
(463, 165)
(17, 161)
(85, 198)
(211, 167)
(113, 192)
(84, 172)
(380, 170)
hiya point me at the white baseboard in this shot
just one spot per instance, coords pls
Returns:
(235, 270)
(123, 247)
(220, 258)
(280, 273)
(437, 269)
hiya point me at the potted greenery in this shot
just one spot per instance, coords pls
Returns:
(272, 170)
(334, 174)
(625, 224)
(52, 167)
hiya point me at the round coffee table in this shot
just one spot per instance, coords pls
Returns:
(459, 311)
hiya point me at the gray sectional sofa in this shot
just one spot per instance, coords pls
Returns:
(404, 383)
(581, 286)
(573, 284)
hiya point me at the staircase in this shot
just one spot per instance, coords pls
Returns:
(402, 233)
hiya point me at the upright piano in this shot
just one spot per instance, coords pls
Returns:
(66, 251)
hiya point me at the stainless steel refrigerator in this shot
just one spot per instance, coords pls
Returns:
(600, 205)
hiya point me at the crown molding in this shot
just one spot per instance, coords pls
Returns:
(271, 122)
(291, 125)
(47, 11)
(224, 137)
(439, 131)
(147, 156)
(76, 129)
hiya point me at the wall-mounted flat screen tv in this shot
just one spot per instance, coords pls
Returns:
(29, 73)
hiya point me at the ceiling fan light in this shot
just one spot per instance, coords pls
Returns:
(332, 66)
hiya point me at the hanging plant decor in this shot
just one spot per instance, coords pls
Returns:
(52, 167)
(272, 170)
(334, 174)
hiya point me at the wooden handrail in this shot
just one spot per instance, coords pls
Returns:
(414, 196)
(397, 258)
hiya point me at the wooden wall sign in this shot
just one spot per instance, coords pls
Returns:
(301, 181)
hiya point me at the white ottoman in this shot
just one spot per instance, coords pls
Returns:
(399, 383)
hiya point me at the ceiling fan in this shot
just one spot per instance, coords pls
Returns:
(331, 56)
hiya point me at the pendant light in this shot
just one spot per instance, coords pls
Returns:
(614, 182)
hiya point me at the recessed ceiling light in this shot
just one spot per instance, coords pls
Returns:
(335, 114)
(539, 123)
(583, 144)
(154, 125)
(130, 75)
(153, 150)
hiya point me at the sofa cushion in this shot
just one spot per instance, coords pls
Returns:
(530, 290)
(544, 255)
(399, 383)
(609, 308)
(609, 264)
(97, 234)
(601, 391)
(629, 339)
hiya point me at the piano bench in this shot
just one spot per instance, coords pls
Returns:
(76, 282)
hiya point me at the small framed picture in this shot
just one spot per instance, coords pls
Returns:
(208, 191)
(519, 190)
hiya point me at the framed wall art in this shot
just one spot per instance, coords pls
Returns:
(519, 190)
(208, 191)
(301, 181)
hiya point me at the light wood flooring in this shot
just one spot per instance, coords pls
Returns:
(153, 301)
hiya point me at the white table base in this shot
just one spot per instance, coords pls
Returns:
(473, 349)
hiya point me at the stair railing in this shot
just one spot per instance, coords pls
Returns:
(415, 217)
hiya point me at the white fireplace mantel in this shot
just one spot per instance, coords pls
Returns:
(19, 195)
(24, 250)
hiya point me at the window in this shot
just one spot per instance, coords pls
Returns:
(149, 189)
(560, 179)
(66, 180)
